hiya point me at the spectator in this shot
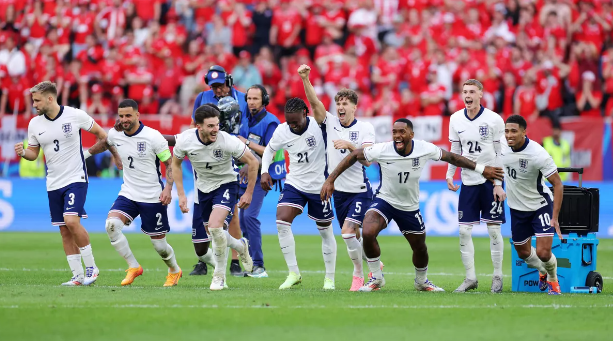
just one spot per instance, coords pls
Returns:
(168, 80)
(138, 80)
(589, 97)
(558, 148)
(286, 26)
(245, 73)
(32, 170)
(219, 34)
(16, 97)
(525, 98)
(12, 57)
(148, 9)
(111, 21)
(433, 95)
(262, 22)
(82, 26)
(148, 103)
(96, 103)
(242, 27)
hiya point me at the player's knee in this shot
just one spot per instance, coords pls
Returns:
(161, 247)
(113, 227)
(350, 228)
(522, 252)
(493, 229)
(201, 248)
(466, 230)
(543, 254)
(71, 223)
(283, 228)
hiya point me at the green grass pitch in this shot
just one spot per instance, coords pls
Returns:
(34, 307)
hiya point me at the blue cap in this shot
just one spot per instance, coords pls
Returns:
(216, 77)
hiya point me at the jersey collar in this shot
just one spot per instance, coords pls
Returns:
(306, 126)
(522, 147)
(411, 152)
(58, 114)
(206, 144)
(478, 114)
(350, 124)
(140, 128)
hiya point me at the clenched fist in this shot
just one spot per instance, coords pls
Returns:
(304, 71)
(19, 148)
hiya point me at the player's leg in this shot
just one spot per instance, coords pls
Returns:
(492, 213)
(74, 196)
(544, 233)
(521, 234)
(122, 213)
(234, 230)
(374, 222)
(322, 214)
(220, 245)
(468, 215)
(350, 209)
(250, 225)
(291, 204)
(201, 242)
(73, 256)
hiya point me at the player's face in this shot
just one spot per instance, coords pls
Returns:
(296, 120)
(402, 135)
(514, 134)
(220, 90)
(345, 110)
(128, 118)
(41, 103)
(209, 129)
(254, 100)
(471, 96)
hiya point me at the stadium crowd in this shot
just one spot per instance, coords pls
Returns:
(404, 57)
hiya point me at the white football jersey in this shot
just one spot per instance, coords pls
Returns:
(307, 155)
(193, 174)
(60, 140)
(140, 154)
(400, 174)
(477, 138)
(213, 162)
(525, 172)
(359, 133)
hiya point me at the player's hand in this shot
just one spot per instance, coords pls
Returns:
(451, 186)
(19, 148)
(243, 174)
(342, 144)
(326, 190)
(266, 182)
(245, 200)
(493, 173)
(166, 195)
(499, 194)
(183, 203)
(118, 126)
(556, 225)
(304, 71)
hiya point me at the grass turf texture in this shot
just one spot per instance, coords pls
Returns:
(33, 306)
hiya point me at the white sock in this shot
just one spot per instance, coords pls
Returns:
(354, 249)
(288, 245)
(467, 249)
(234, 243)
(496, 248)
(208, 258)
(88, 256)
(167, 253)
(220, 249)
(114, 227)
(328, 249)
(375, 267)
(552, 268)
(74, 262)
(534, 262)
(421, 275)
(361, 240)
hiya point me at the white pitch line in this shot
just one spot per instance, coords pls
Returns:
(215, 306)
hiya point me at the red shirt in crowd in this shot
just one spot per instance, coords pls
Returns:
(434, 109)
(526, 98)
(286, 23)
(16, 91)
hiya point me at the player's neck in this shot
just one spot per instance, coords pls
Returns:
(521, 143)
(472, 113)
(133, 130)
(55, 110)
(204, 140)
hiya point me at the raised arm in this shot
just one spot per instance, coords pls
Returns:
(328, 187)
(319, 111)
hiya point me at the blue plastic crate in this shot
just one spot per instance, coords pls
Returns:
(576, 257)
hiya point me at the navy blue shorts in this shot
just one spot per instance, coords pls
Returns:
(351, 206)
(409, 222)
(477, 205)
(226, 197)
(68, 200)
(199, 234)
(537, 223)
(154, 216)
(318, 211)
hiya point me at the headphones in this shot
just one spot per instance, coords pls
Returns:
(216, 68)
(265, 97)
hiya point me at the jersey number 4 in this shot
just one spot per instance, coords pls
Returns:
(476, 149)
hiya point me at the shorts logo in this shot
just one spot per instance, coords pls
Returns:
(218, 154)
(375, 204)
(484, 131)
(141, 148)
(523, 165)
(353, 136)
(66, 128)
(460, 214)
(416, 162)
(310, 141)
(280, 197)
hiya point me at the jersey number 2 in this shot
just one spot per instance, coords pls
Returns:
(131, 159)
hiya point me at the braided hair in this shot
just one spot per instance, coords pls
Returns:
(205, 111)
(294, 105)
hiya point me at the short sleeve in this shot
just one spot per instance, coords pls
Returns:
(160, 147)
(110, 137)
(369, 138)
(499, 132)
(236, 147)
(435, 153)
(329, 117)
(373, 153)
(83, 120)
(269, 132)
(275, 142)
(453, 135)
(32, 140)
(548, 166)
(178, 150)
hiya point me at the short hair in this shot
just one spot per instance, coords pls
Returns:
(128, 103)
(294, 105)
(349, 94)
(405, 120)
(473, 82)
(205, 111)
(517, 119)
(45, 88)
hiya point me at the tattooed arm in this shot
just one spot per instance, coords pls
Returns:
(328, 187)
(166, 195)
(100, 147)
(490, 173)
